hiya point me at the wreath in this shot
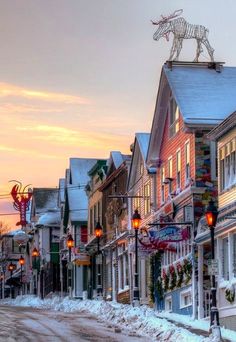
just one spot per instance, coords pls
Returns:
(187, 268)
(173, 277)
(166, 280)
(180, 274)
(230, 293)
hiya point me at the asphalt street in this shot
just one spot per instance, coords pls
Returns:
(29, 324)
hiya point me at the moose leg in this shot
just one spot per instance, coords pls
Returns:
(209, 48)
(178, 48)
(173, 49)
(199, 50)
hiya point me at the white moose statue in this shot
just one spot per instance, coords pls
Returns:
(181, 30)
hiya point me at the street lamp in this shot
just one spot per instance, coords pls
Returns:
(22, 262)
(11, 268)
(211, 218)
(136, 220)
(98, 234)
(35, 254)
(70, 244)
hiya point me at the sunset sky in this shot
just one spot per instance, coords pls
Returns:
(79, 77)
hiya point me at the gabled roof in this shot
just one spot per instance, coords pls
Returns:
(77, 198)
(45, 199)
(79, 168)
(78, 204)
(204, 96)
(62, 183)
(223, 128)
(139, 150)
(116, 159)
(143, 141)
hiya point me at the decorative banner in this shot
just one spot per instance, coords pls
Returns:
(169, 234)
(21, 201)
(163, 239)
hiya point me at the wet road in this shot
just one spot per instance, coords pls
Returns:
(29, 324)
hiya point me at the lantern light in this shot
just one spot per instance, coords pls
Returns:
(211, 214)
(21, 260)
(70, 241)
(136, 219)
(98, 230)
(35, 252)
(11, 267)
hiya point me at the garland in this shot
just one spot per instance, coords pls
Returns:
(187, 268)
(230, 293)
(173, 277)
(155, 283)
(166, 280)
(180, 274)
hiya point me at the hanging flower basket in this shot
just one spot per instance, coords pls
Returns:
(230, 293)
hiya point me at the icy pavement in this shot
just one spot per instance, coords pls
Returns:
(142, 321)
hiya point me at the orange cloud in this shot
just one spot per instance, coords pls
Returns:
(9, 90)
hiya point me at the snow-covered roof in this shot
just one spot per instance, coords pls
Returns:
(116, 159)
(79, 168)
(51, 218)
(78, 203)
(143, 141)
(203, 95)
(62, 183)
(45, 199)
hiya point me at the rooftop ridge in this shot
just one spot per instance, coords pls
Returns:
(217, 66)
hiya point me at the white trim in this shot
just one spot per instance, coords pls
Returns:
(182, 295)
(168, 299)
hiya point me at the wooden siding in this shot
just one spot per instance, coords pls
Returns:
(170, 146)
(227, 196)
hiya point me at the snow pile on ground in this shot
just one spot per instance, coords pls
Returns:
(138, 320)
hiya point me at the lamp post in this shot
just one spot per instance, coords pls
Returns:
(70, 244)
(211, 218)
(11, 268)
(22, 262)
(136, 220)
(98, 234)
(35, 254)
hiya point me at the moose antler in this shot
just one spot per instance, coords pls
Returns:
(166, 19)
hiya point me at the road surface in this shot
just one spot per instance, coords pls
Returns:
(23, 324)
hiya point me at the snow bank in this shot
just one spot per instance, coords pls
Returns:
(138, 320)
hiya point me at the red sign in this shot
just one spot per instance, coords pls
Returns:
(21, 201)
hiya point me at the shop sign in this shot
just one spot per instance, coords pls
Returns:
(82, 259)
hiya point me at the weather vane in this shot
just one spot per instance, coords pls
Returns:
(181, 30)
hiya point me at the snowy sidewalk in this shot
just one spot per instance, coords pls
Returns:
(142, 321)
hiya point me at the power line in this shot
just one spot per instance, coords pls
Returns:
(80, 186)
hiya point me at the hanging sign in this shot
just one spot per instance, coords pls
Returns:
(21, 201)
(169, 234)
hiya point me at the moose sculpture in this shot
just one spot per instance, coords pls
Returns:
(181, 30)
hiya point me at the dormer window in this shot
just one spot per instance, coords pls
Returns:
(174, 117)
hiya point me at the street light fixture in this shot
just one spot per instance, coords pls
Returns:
(22, 262)
(136, 220)
(70, 244)
(211, 218)
(98, 234)
(11, 268)
(35, 254)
